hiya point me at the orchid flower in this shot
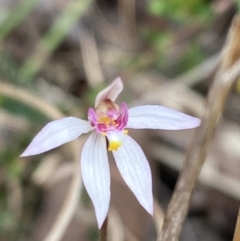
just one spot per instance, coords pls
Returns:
(111, 121)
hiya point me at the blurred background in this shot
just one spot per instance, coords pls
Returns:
(54, 58)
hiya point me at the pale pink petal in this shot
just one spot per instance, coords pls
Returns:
(123, 118)
(56, 133)
(96, 175)
(160, 117)
(135, 170)
(110, 92)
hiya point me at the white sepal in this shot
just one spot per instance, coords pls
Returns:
(56, 133)
(96, 174)
(110, 92)
(160, 117)
(135, 170)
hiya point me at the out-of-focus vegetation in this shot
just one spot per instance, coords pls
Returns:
(181, 11)
(41, 53)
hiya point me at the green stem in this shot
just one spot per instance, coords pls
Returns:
(103, 230)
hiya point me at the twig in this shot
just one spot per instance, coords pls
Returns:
(158, 216)
(90, 58)
(196, 154)
(209, 176)
(237, 229)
